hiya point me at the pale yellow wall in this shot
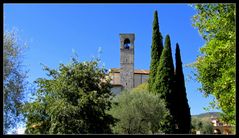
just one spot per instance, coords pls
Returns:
(115, 78)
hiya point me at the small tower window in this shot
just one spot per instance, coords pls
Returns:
(126, 43)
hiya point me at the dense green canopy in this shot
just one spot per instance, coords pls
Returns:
(73, 100)
(182, 114)
(216, 66)
(156, 50)
(164, 82)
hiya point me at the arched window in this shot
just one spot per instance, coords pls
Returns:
(126, 43)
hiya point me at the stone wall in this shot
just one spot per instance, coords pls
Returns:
(139, 79)
(127, 61)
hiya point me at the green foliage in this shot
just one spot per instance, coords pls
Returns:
(182, 114)
(164, 83)
(141, 87)
(14, 82)
(139, 112)
(216, 67)
(73, 100)
(204, 126)
(156, 50)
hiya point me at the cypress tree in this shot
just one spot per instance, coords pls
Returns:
(164, 83)
(183, 116)
(156, 50)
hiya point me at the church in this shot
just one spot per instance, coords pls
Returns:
(126, 77)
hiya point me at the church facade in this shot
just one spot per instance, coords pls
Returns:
(126, 77)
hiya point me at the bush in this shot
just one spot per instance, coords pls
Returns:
(202, 125)
(138, 112)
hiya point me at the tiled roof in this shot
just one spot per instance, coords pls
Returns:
(140, 71)
(115, 70)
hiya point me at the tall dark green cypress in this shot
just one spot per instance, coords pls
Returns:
(183, 110)
(156, 50)
(164, 83)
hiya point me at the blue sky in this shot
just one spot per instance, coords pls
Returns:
(53, 31)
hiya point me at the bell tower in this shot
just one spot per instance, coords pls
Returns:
(127, 60)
